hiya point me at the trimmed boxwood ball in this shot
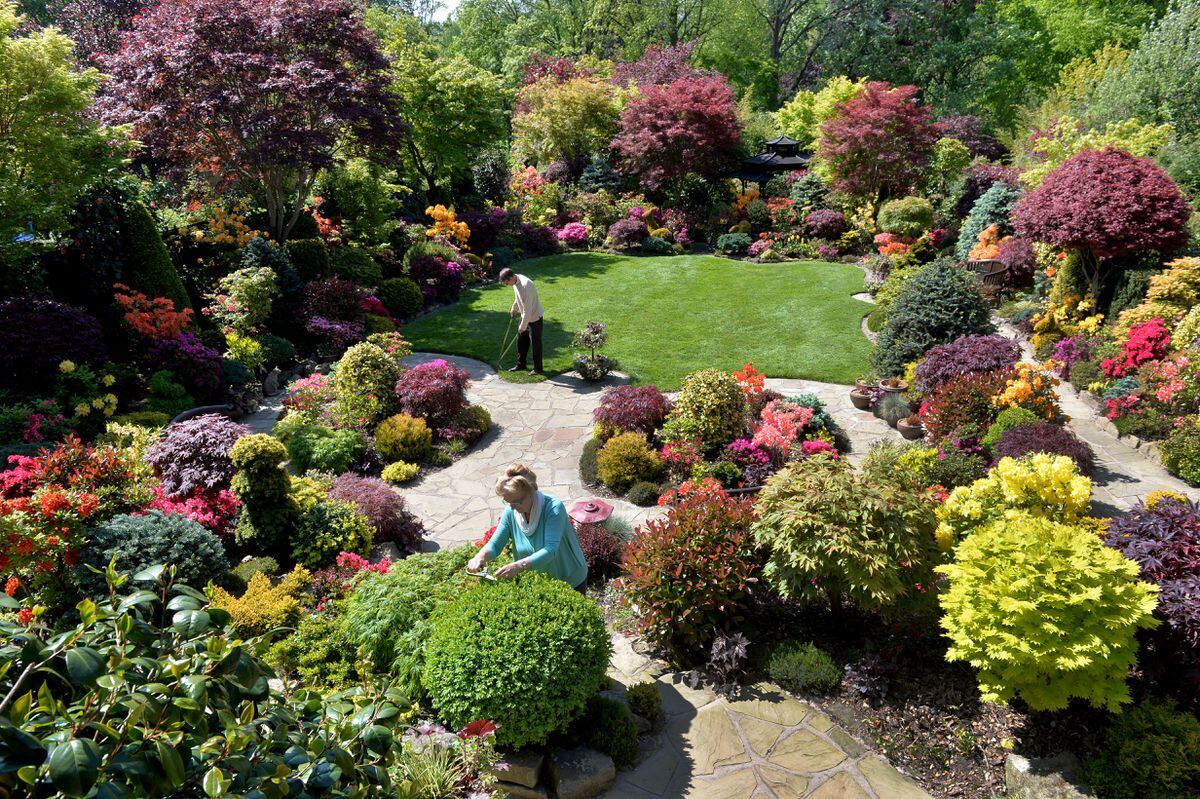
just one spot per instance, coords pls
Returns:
(627, 459)
(644, 494)
(1045, 437)
(803, 668)
(525, 653)
(401, 296)
(403, 438)
(310, 257)
(906, 216)
(156, 538)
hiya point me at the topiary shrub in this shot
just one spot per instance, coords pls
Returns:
(801, 667)
(831, 535)
(972, 353)
(362, 385)
(401, 296)
(645, 700)
(316, 447)
(689, 574)
(1045, 437)
(601, 548)
(626, 459)
(263, 487)
(906, 216)
(994, 207)
(607, 727)
(1150, 750)
(148, 266)
(644, 494)
(383, 508)
(356, 265)
(936, 306)
(1181, 450)
(434, 391)
(1044, 611)
(195, 454)
(733, 243)
(710, 406)
(524, 653)
(1007, 420)
(138, 542)
(400, 472)
(632, 409)
(310, 257)
(403, 438)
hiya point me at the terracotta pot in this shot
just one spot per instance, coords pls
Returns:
(860, 399)
(903, 386)
(910, 432)
(861, 385)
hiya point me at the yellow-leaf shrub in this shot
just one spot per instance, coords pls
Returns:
(265, 605)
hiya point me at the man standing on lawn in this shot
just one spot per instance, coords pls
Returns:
(530, 308)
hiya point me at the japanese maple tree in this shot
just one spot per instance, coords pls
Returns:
(878, 143)
(688, 125)
(259, 93)
(1104, 204)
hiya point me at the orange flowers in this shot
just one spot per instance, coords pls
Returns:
(1032, 389)
(988, 245)
(750, 379)
(151, 319)
(445, 223)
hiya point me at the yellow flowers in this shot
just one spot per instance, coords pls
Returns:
(445, 223)
(108, 380)
(66, 367)
(1032, 389)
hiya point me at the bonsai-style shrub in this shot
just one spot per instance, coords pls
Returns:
(362, 384)
(973, 353)
(383, 508)
(825, 223)
(316, 447)
(526, 654)
(403, 438)
(401, 296)
(1045, 437)
(310, 257)
(138, 542)
(399, 472)
(626, 459)
(37, 334)
(689, 575)
(962, 406)
(607, 727)
(733, 243)
(1007, 419)
(590, 365)
(194, 455)
(601, 547)
(994, 207)
(908, 217)
(1044, 611)
(1181, 450)
(632, 409)
(1104, 204)
(831, 535)
(936, 306)
(356, 265)
(434, 391)
(265, 605)
(802, 667)
(710, 407)
(1151, 749)
(1039, 485)
(263, 487)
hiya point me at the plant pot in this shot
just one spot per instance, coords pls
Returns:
(860, 399)
(896, 389)
(861, 385)
(911, 432)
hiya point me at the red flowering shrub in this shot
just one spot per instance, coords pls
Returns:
(40, 538)
(215, 510)
(963, 405)
(601, 547)
(434, 391)
(389, 517)
(1148, 341)
(151, 319)
(102, 472)
(333, 582)
(689, 575)
(630, 409)
(975, 353)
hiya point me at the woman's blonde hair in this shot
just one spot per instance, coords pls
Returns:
(518, 482)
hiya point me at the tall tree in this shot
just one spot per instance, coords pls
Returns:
(259, 92)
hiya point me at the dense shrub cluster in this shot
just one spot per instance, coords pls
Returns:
(138, 542)
(383, 508)
(632, 409)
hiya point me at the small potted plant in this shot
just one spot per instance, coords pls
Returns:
(892, 408)
(590, 365)
(860, 395)
(893, 385)
(911, 428)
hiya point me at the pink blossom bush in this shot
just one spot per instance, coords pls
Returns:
(214, 510)
(781, 426)
(573, 234)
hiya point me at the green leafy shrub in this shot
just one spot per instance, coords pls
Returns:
(149, 419)
(1084, 373)
(689, 574)
(525, 653)
(276, 350)
(1151, 751)
(906, 216)
(1007, 420)
(1181, 450)
(955, 467)
(316, 447)
(711, 407)
(310, 257)
(607, 727)
(803, 668)
(644, 494)
(356, 265)
(400, 472)
(363, 386)
(167, 396)
(268, 512)
(148, 266)
(472, 422)
(317, 654)
(401, 296)
(653, 245)
(733, 243)
(138, 542)
(1046, 612)
(936, 306)
(626, 459)
(403, 438)
(832, 535)
(328, 528)
(645, 700)
(588, 462)
(260, 565)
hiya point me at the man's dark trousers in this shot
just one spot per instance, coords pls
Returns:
(533, 334)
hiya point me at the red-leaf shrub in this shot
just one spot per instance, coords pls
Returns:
(688, 125)
(627, 234)
(629, 409)
(601, 547)
(194, 455)
(825, 223)
(434, 391)
(1017, 254)
(37, 333)
(101, 471)
(335, 299)
(1148, 341)
(1025, 439)
(658, 66)
(963, 405)
(689, 575)
(383, 508)
(878, 143)
(964, 355)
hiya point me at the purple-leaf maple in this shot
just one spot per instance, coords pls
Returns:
(688, 125)
(1105, 204)
(878, 143)
(259, 93)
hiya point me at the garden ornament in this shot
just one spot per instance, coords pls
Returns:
(585, 511)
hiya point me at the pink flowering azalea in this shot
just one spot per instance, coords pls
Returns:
(782, 424)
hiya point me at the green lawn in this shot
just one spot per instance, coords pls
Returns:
(668, 316)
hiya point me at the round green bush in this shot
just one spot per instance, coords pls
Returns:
(363, 385)
(1084, 373)
(316, 447)
(400, 472)
(907, 216)
(653, 245)
(1008, 419)
(645, 700)
(1181, 450)
(403, 438)
(1151, 750)
(644, 494)
(525, 653)
(401, 296)
(378, 323)
(326, 529)
(310, 257)
(156, 538)
(276, 350)
(627, 459)
(733, 243)
(803, 668)
(711, 407)
(607, 727)
(356, 265)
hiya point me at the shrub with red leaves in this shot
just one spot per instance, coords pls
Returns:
(627, 234)
(434, 391)
(1147, 341)
(977, 353)
(601, 547)
(37, 333)
(1025, 439)
(334, 298)
(390, 518)
(962, 406)
(1017, 254)
(194, 455)
(968, 129)
(690, 573)
(629, 409)
(825, 223)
